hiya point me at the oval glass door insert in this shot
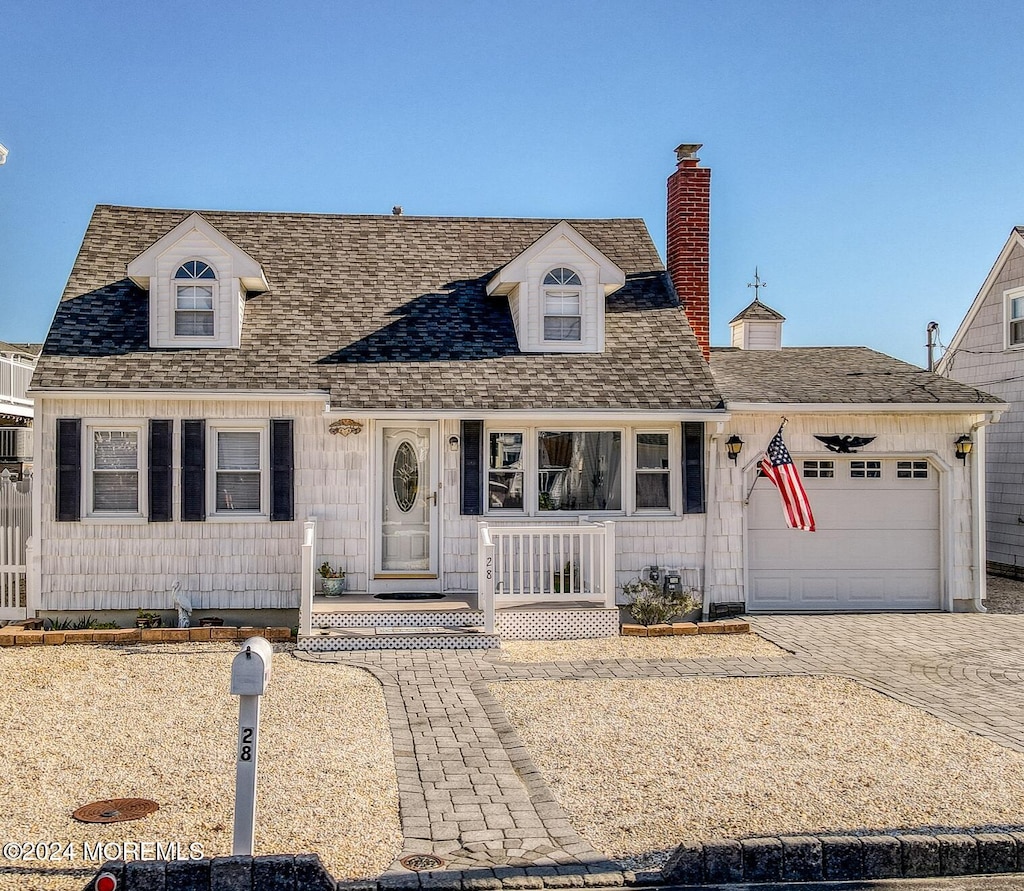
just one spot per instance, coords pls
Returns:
(405, 476)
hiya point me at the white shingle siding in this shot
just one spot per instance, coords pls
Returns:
(982, 360)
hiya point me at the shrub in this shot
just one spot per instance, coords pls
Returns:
(650, 605)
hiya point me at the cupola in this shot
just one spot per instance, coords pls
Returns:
(758, 327)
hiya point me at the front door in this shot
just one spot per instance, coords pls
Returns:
(407, 507)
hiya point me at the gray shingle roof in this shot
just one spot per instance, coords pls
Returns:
(758, 312)
(383, 311)
(832, 375)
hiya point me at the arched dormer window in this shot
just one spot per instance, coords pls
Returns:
(193, 299)
(563, 296)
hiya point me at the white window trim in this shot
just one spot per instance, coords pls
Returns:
(237, 426)
(141, 428)
(1008, 298)
(215, 285)
(675, 463)
(555, 290)
(627, 471)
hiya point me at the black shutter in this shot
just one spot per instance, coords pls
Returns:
(693, 467)
(472, 468)
(282, 471)
(161, 453)
(193, 470)
(69, 469)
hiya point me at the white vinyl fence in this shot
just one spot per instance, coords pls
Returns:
(15, 529)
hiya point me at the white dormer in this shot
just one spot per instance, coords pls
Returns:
(758, 327)
(556, 291)
(197, 281)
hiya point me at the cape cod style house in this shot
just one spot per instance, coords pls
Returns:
(987, 351)
(514, 416)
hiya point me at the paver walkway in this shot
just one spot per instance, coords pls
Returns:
(471, 795)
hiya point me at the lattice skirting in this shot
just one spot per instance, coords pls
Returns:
(557, 624)
(409, 619)
(417, 642)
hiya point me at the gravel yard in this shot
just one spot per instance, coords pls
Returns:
(643, 764)
(694, 646)
(83, 723)
(1004, 595)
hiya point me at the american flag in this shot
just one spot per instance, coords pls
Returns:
(778, 466)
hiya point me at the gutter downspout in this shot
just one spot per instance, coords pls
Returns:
(978, 518)
(710, 504)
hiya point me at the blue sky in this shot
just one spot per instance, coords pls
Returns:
(868, 157)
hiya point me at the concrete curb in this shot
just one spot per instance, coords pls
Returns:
(805, 858)
(749, 861)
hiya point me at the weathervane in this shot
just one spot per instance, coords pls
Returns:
(757, 284)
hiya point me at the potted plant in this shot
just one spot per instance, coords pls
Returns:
(333, 579)
(147, 620)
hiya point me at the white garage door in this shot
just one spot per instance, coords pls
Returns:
(876, 546)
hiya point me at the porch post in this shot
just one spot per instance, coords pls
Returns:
(485, 575)
(609, 564)
(308, 559)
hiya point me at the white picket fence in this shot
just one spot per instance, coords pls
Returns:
(15, 530)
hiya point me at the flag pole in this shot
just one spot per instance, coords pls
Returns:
(757, 476)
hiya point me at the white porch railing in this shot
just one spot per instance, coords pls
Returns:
(308, 577)
(524, 564)
(14, 381)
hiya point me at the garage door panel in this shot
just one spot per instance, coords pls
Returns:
(850, 509)
(813, 591)
(909, 549)
(877, 546)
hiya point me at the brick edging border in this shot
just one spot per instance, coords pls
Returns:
(20, 637)
(809, 858)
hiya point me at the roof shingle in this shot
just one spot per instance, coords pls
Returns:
(839, 375)
(382, 311)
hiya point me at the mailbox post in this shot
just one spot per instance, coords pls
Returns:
(250, 672)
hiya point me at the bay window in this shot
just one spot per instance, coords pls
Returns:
(538, 470)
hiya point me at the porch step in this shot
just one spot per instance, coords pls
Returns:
(395, 636)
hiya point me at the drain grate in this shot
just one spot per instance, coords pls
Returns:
(421, 862)
(115, 810)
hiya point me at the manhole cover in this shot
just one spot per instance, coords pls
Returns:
(420, 862)
(115, 810)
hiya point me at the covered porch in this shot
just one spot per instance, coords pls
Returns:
(534, 582)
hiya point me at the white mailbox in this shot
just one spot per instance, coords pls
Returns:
(250, 670)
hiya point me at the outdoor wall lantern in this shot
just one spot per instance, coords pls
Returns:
(453, 443)
(733, 446)
(963, 446)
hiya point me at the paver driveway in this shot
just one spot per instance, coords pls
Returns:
(470, 794)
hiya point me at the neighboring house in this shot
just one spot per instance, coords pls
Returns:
(987, 351)
(17, 361)
(466, 404)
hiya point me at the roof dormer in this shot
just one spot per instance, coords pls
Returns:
(556, 291)
(758, 327)
(197, 281)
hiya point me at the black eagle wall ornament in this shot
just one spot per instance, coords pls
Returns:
(844, 445)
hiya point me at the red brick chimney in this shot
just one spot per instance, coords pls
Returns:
(688, 237)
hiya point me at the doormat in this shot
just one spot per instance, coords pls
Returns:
(408, 595)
